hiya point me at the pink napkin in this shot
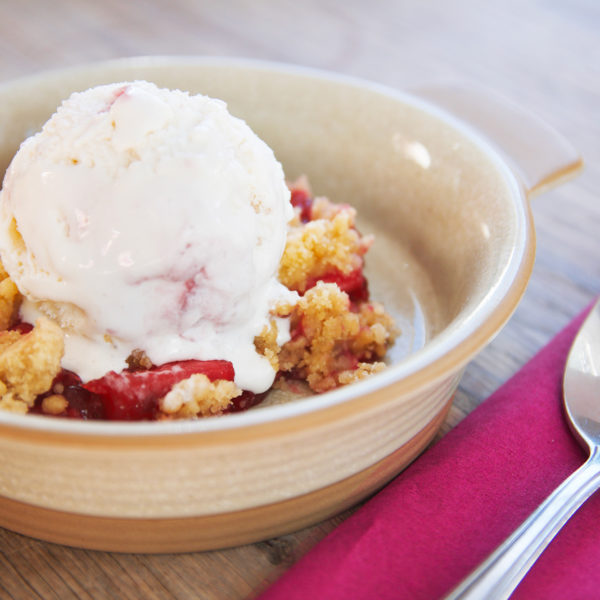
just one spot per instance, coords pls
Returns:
(444, 514)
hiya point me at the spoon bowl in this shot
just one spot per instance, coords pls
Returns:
(582, 383)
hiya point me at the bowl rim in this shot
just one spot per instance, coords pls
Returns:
(444, 355)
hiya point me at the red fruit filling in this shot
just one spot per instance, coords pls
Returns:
(303, 200)
(22, 327)
(244, 401)
(134, 395)
(81, 403)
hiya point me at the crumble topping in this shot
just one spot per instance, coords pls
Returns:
(10, 299)
(198, 396)
(332, 341)
(28, 364)
(329, 242)
(266, 344)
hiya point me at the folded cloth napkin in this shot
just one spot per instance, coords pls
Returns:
(443, 515)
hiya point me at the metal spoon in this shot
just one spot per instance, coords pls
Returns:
(502, 571)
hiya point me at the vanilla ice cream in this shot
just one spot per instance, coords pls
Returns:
(145, 218)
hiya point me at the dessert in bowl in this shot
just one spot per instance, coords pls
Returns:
(453, 252)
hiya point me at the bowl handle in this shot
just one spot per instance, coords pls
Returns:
(540, 155)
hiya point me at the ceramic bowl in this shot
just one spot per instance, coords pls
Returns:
(454, 250)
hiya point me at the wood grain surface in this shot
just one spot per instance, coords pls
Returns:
(544, 54)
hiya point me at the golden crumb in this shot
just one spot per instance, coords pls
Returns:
(55, 404)
(7, 338)
(320, 247)
(283, 308)
(138, 360)
(198, 396)
(377, 332)
(266, 344)
(17, 240)
(30, 362)
(10, 299)
(363, 370)
(10, 403)
(68, 316)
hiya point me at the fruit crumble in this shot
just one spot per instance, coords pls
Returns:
(338, 336)
(156, 265)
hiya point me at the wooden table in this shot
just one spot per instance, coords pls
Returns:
(543, 54)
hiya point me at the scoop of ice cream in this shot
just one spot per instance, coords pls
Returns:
(145, 218)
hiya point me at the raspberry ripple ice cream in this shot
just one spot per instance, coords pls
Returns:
(146, 218)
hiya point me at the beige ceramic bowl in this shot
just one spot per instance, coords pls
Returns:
(454, 250)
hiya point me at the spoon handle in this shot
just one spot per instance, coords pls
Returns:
(501, 572)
